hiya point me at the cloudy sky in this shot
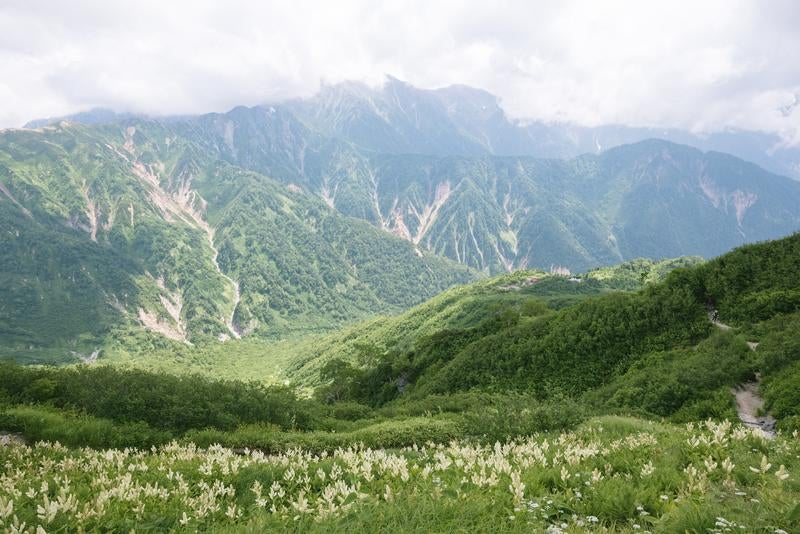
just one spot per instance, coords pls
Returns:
(703, 65)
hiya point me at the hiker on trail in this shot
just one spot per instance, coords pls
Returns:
(715, 316)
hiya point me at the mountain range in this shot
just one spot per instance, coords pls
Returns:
(398, 118)
(307, 214)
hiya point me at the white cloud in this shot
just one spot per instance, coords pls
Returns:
(700, 65)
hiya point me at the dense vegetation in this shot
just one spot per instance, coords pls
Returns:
(528, 347)
(610, 474)
(689, 384)
(498, 360)
(500, 405)
(507, 342)
(636, 351)
(110, 228)
(265, 222)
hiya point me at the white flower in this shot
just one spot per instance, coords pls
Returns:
(6, 508)
(647, 469)
(517, 488)
(763, 468)
(728, 465)
(710, 464)
(565, 474)
(596, 475)
(782, 473)
(47, 511)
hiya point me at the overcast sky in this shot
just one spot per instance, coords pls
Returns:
(704, 65)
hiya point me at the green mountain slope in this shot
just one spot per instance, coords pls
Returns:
(496, 214)
(299, 358)
(639, 348)
(265, 221)
(482, 305)
(132, 225)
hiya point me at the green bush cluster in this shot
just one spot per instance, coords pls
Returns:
(162, 401)
(385, 434)
(569, 351)
(686, 384)
(38, 423)
(754, 282)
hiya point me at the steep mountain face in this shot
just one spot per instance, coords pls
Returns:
(651, 199)
(498, 214)
(398, 118)
(133, 224)
(309, 214)
(660, 198)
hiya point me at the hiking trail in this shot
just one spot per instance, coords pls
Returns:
(749, 403)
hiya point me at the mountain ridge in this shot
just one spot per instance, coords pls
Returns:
(476, 119)
(255, 222)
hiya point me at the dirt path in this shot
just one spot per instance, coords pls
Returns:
(8, 439)
(749, 402)
(714, 318)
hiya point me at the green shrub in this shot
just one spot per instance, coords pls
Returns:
(510, 416)
(168, 402)
(686, 384)
(387, 434)
(75, 430)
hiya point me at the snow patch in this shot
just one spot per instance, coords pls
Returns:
(327, 195)
(87, 358)
(740, 200)
(91, 213)
(710, 191)
(227, 136)
(129, 145)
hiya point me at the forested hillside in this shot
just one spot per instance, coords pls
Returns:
(654, 350)
(449, 172)
(118, 226)
(298, 359)
(273, 221)
(500, 213)
(531, 394)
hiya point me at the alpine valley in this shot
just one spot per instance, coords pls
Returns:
(303, 216)
(396, 310)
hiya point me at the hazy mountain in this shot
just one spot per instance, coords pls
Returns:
(460, 120)
(91, 116)
(496, 213)
(398, 118)
(278, 219)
